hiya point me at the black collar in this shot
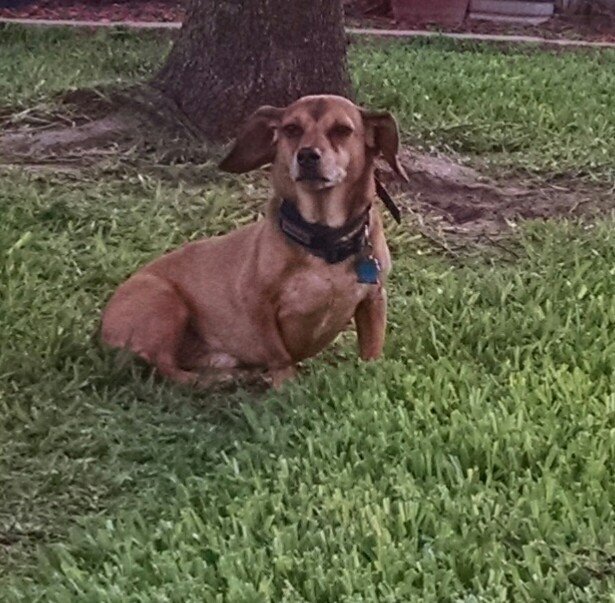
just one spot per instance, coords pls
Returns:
(332, 244)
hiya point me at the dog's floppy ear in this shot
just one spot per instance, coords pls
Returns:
(255, 143)
(382, 136)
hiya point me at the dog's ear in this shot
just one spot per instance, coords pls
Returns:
(255, 143)
(382, 136)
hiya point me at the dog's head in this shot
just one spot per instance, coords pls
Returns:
(317, 143)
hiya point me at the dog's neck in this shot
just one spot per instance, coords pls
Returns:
(330, 207)
(334, 245)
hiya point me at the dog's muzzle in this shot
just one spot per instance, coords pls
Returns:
(308, 164)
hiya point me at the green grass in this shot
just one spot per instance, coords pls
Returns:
(39, 62)
(474, 462)
(538, 111)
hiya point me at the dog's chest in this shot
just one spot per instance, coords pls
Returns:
(316, 305)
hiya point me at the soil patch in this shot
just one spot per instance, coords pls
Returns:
(95, 10)
(452, 199)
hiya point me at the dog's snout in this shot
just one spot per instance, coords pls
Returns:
(308, 157)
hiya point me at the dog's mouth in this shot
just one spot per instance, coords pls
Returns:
(315, 177)
(312, 178)
(315, 182)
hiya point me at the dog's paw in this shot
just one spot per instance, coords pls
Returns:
(277, 377)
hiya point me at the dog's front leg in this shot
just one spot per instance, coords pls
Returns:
(370, 319)
(278, 362)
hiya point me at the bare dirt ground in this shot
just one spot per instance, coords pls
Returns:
(456, 206)
(95, 10)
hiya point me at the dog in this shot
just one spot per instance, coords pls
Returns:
(271, 294)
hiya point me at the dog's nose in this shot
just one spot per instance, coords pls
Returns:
(308, 156)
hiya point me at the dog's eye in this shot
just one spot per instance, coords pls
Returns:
(340, 131)
(292, 130)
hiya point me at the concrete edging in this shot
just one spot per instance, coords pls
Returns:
(416, 33)
(72, 23)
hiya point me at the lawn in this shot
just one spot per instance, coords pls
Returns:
(474, 462)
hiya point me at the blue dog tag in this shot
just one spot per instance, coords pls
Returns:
(368, 270)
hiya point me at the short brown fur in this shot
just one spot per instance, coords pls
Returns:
(252, 300)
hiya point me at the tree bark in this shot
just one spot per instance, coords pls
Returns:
(233, 56)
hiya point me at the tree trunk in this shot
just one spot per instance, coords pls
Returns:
(234, 55)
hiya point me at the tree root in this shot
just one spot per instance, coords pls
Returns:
(139, 115)
(34, 144)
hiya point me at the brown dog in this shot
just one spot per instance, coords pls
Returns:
(278, 291)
